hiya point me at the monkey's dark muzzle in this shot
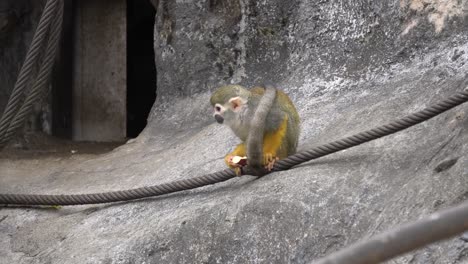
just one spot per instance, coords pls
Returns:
(219, 119)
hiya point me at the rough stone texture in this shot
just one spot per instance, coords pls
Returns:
(100, 71)
(348, 67)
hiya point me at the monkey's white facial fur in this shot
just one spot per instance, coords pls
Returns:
(229, 110)
(219, 113)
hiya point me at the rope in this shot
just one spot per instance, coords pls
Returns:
(187, 184)
(375, 133)
(15, 113)
(438, 226)
(117, 196)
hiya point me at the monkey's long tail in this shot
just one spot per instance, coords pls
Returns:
(220, 176)
(257, 127)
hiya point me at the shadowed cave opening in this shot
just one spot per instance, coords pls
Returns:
(141, 68)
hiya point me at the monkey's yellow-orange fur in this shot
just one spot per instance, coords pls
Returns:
(282, 124)
(272, 146)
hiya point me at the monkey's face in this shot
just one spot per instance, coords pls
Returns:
(229, 111)
(219, 113)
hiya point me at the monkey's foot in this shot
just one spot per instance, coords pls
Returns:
(269, 160)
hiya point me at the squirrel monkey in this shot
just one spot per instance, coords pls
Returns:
(276, 118)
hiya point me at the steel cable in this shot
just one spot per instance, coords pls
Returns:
(48, 29)
(220, 176)
(43, 76)
(372, 134)
(384, 246)
(116, 196)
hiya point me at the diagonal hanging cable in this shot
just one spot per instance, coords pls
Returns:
(42, 77)
(438, 226)
(285, 164)
(46, 31)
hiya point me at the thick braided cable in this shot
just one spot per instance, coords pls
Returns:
(125, 195)
(372, 134)
(24, 76)
(187, 184)
(405, 238)
(42, 78)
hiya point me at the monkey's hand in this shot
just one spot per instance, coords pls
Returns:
(269, 160)
(236, 163)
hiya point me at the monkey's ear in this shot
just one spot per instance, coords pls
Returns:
(236, 103)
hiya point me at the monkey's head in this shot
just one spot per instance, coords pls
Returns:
(229, 102)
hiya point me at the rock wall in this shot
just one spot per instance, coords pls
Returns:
(347, 66)
(307, 48)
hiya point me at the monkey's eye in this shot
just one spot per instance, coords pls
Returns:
(218, 109)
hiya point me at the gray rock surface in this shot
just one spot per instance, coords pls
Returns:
(347, 66)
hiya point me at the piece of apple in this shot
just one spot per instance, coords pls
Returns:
(241, 161)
